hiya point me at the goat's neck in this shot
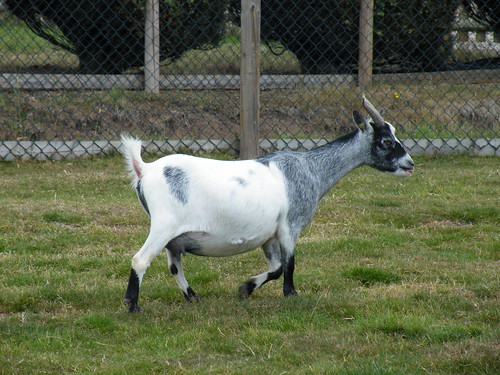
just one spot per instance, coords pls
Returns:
(334, 160)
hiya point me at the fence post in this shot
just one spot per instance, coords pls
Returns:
(365, 43)
(249, 79)
(152, 47)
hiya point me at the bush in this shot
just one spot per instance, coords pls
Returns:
(409, 35)
(108, 35)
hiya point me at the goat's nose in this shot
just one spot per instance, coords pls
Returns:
(408, 164)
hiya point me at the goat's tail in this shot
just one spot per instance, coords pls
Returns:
(131, 150)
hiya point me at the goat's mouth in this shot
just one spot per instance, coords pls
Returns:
(408, 170)
(407, 166)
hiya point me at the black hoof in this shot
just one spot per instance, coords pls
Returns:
(191, 296)
(132, 306)
(291, 292)
(246, 289)
(193, 299)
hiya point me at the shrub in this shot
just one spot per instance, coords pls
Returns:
(108, 35)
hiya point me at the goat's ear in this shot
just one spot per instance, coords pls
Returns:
(360, 121)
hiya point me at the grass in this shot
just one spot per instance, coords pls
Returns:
(395, 277)
(369, 275)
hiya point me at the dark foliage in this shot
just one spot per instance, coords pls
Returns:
(486, 12)
(108, 35)
(409, 35)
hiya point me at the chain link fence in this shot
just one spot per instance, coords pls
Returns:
(72, 76)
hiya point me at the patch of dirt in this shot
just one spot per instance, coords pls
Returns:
(447, 224)
(175, 114)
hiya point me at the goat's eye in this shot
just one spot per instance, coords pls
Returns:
(388, 142)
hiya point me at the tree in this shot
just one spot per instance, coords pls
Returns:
(486, 12)
(108, 35)
(409, 35)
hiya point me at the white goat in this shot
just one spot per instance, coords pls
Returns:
(221, 208)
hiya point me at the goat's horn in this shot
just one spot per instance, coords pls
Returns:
(376, 117)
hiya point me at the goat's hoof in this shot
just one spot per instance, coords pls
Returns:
(191, 296)
(291, 292)
(194, 299)
(245, 290)
(133, 307)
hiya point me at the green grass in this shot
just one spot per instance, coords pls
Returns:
(369, 276)
(396, 276)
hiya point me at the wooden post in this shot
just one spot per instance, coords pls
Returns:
(250, 79)
(152, 47)
(365, 43)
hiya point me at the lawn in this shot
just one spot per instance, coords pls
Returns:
(396, 276)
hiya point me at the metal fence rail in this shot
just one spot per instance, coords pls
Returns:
(71, 93)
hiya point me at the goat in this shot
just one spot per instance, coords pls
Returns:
(221, 208)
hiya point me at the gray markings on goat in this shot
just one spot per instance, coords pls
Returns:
(301, 189)
(178, 183)
(142, 199)
(241, 181)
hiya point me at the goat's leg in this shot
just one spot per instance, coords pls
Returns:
(175, 266)
(288, 261)
(272, 253)
(140, 263)
(289, 267)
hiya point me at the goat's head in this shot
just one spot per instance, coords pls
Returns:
(386, 152)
